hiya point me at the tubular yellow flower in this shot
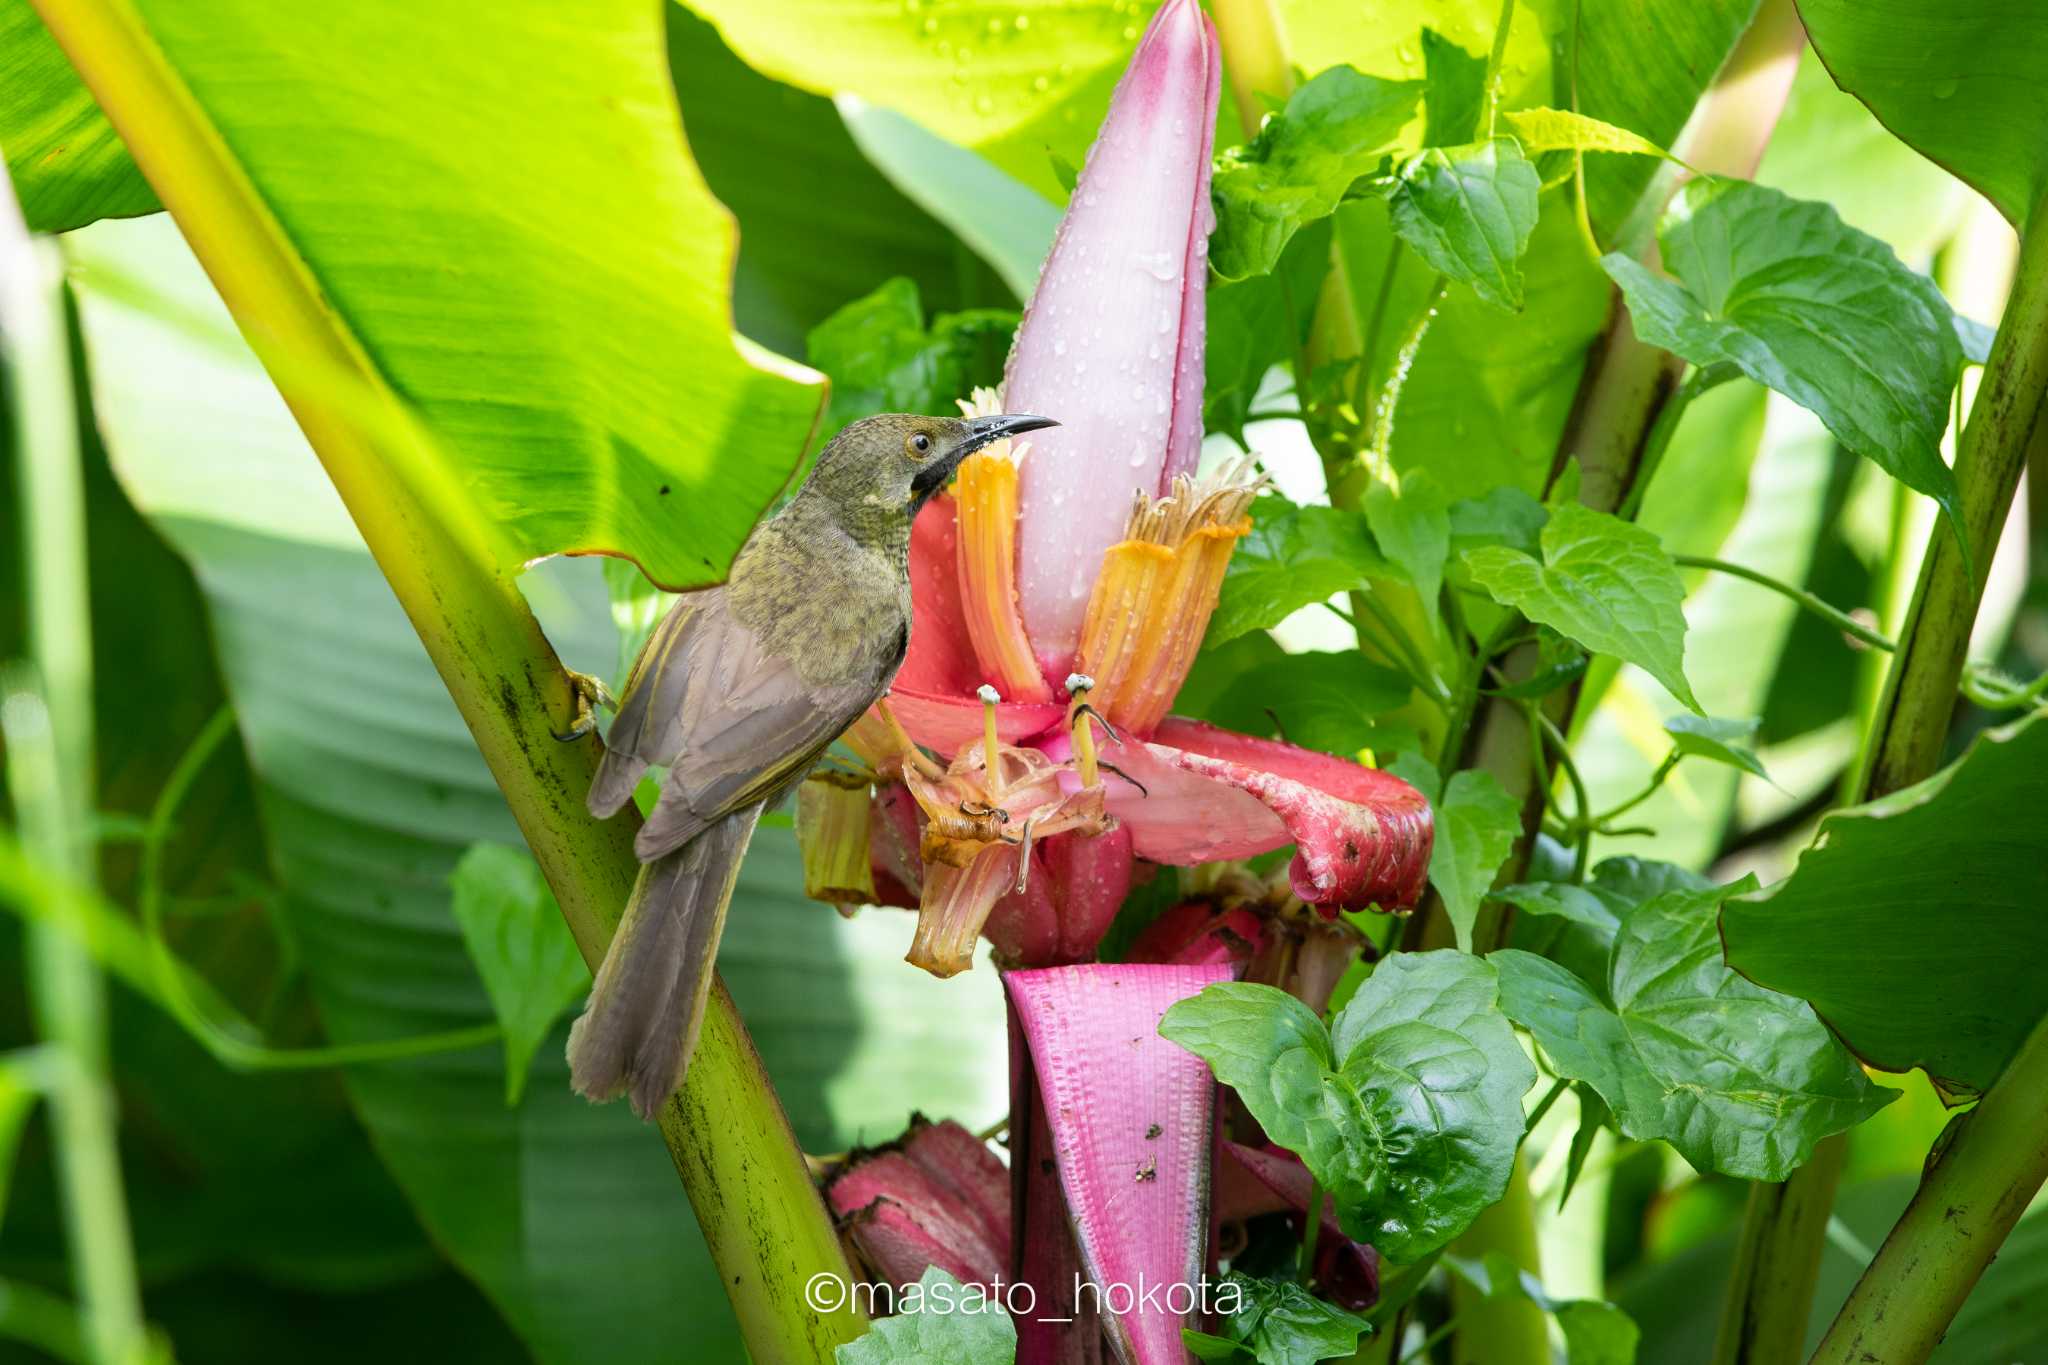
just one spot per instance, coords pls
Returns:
(985, 496)
(1156, 592)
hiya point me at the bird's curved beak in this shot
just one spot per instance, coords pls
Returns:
(980, 432)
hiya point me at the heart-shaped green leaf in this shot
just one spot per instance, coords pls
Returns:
(1739, 1079)
(1293, 557)
(1720, 739)
(1415, 1133)
(1782, 289)
(1605, 583)
(1468, 211)
(939, 1322)
(1275, 1322)
(1336, 128)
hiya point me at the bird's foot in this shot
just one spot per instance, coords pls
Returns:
(589, 693)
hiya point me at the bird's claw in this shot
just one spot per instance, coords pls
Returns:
(589, 693)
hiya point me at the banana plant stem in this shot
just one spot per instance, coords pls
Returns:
(1510, 1327)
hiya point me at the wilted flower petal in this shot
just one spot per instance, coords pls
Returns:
(937, 1197)
(832, 832)
(980, 828)
(1200, 794)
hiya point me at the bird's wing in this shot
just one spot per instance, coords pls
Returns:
(735, 723)
(647, 729)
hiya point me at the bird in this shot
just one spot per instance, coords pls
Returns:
(738, 692)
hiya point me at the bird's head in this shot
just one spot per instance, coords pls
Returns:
(900, 460)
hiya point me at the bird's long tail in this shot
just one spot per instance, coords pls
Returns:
(640, 1027)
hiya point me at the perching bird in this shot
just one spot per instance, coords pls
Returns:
(739, 691)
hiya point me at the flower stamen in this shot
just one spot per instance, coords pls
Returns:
(989, 699)
(1078, 711)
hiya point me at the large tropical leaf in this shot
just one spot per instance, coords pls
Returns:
(1883, 886)
(483, 222)
(268, 1173)
(67, 163)
(568, 1215)
(782, 160)
(1956, 81)
(1012, 82)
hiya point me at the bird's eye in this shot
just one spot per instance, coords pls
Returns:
(919, 444)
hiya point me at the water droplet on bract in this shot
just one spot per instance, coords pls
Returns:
(1152, 351)
(1021, 22)
(1040, 84)
(966, 54)
(1130, 33)
(1180, 127)
(1059, 346)
(1944, 89)
(983, 104)
(1160, 265)
(995, 27)
(1165, 321)
(1405, 53)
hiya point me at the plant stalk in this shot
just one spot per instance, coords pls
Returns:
(1777, 1262)
(1974, 1191)
(1785, 1227)
(1905, 745)
(1912, 719)
(767, 1228)
(49, 728)
(1611, 429)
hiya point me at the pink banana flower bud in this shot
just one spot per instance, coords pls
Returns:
(1061, 592)
(1114, 332)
